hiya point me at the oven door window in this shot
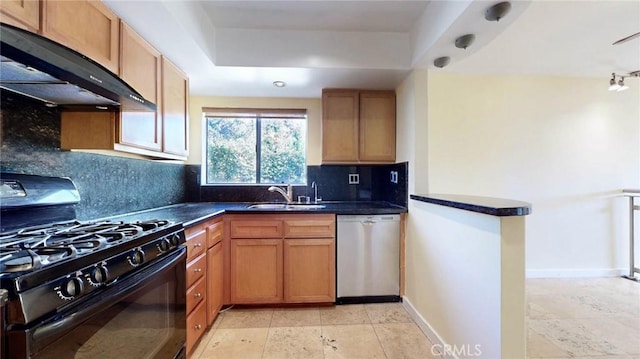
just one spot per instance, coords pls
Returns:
(147, 322)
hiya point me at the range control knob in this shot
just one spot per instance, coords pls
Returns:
(71, 288)
(99, 275)
(175, 239)
(164, 245)
(136, 257)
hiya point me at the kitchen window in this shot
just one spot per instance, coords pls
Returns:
(255, 146)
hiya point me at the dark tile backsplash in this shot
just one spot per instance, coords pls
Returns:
(332, 180)
(375, 182)
(108, 185)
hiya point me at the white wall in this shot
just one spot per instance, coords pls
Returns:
(411, 128)
(566, 145)
(312, 105)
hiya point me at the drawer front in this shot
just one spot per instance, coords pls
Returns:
(196, 294)
(196, 325)
(256, 229)
(194, 230)
(196, 269)
(215, 233)
(318, 226)
(196, 243)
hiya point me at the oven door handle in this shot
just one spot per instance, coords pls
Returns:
(53, 329)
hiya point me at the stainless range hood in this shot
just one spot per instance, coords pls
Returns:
(34, 66)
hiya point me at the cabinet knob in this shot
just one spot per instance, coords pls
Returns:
(198, 245)
(197, 295)
(197, 327)
(198, 270)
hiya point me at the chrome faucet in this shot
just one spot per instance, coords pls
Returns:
(287, 195)
(314, 185)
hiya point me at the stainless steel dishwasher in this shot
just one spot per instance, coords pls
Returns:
(368, 252)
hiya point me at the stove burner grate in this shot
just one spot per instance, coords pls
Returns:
(34, 247)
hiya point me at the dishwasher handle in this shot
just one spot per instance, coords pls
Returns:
(368, 219)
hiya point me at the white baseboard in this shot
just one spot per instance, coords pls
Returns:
(431, 334)
(575, 273)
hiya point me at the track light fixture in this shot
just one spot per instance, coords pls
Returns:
(620, 85)
(613, 86)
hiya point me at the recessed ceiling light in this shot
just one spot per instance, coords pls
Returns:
(279, 83)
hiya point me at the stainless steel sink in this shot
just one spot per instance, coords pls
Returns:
(267, 206)
(289, 207)
(305, 206)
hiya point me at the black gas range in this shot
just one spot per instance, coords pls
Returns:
(72, 284)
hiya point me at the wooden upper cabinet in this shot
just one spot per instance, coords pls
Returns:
(21, 13)
(340, 126)
(358, 126)
(88, 27)
(378, 126)
(175, 104)
(140, 67)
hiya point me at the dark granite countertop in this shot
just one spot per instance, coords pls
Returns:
(193, 213)
(487, 205)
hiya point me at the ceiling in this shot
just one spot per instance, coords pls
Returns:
(239, 48)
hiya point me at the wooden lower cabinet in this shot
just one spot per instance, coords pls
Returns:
(204, 277)
(215, 277)
(196, 326)
(256, 271)
(309, 270)
(296, 267)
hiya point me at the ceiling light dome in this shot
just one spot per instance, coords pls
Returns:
(441, 61)
(497, 11)
(465, 41)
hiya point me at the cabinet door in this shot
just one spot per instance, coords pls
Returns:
(21, 13)
(88, 27)
(215, 268)
(175, 94)
(309, 268)
(256, 271)
(340, 126)
(140, 68)
(378, 126)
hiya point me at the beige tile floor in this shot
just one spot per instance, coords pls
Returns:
(583, 318)
(344, 331)
(594, 318)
